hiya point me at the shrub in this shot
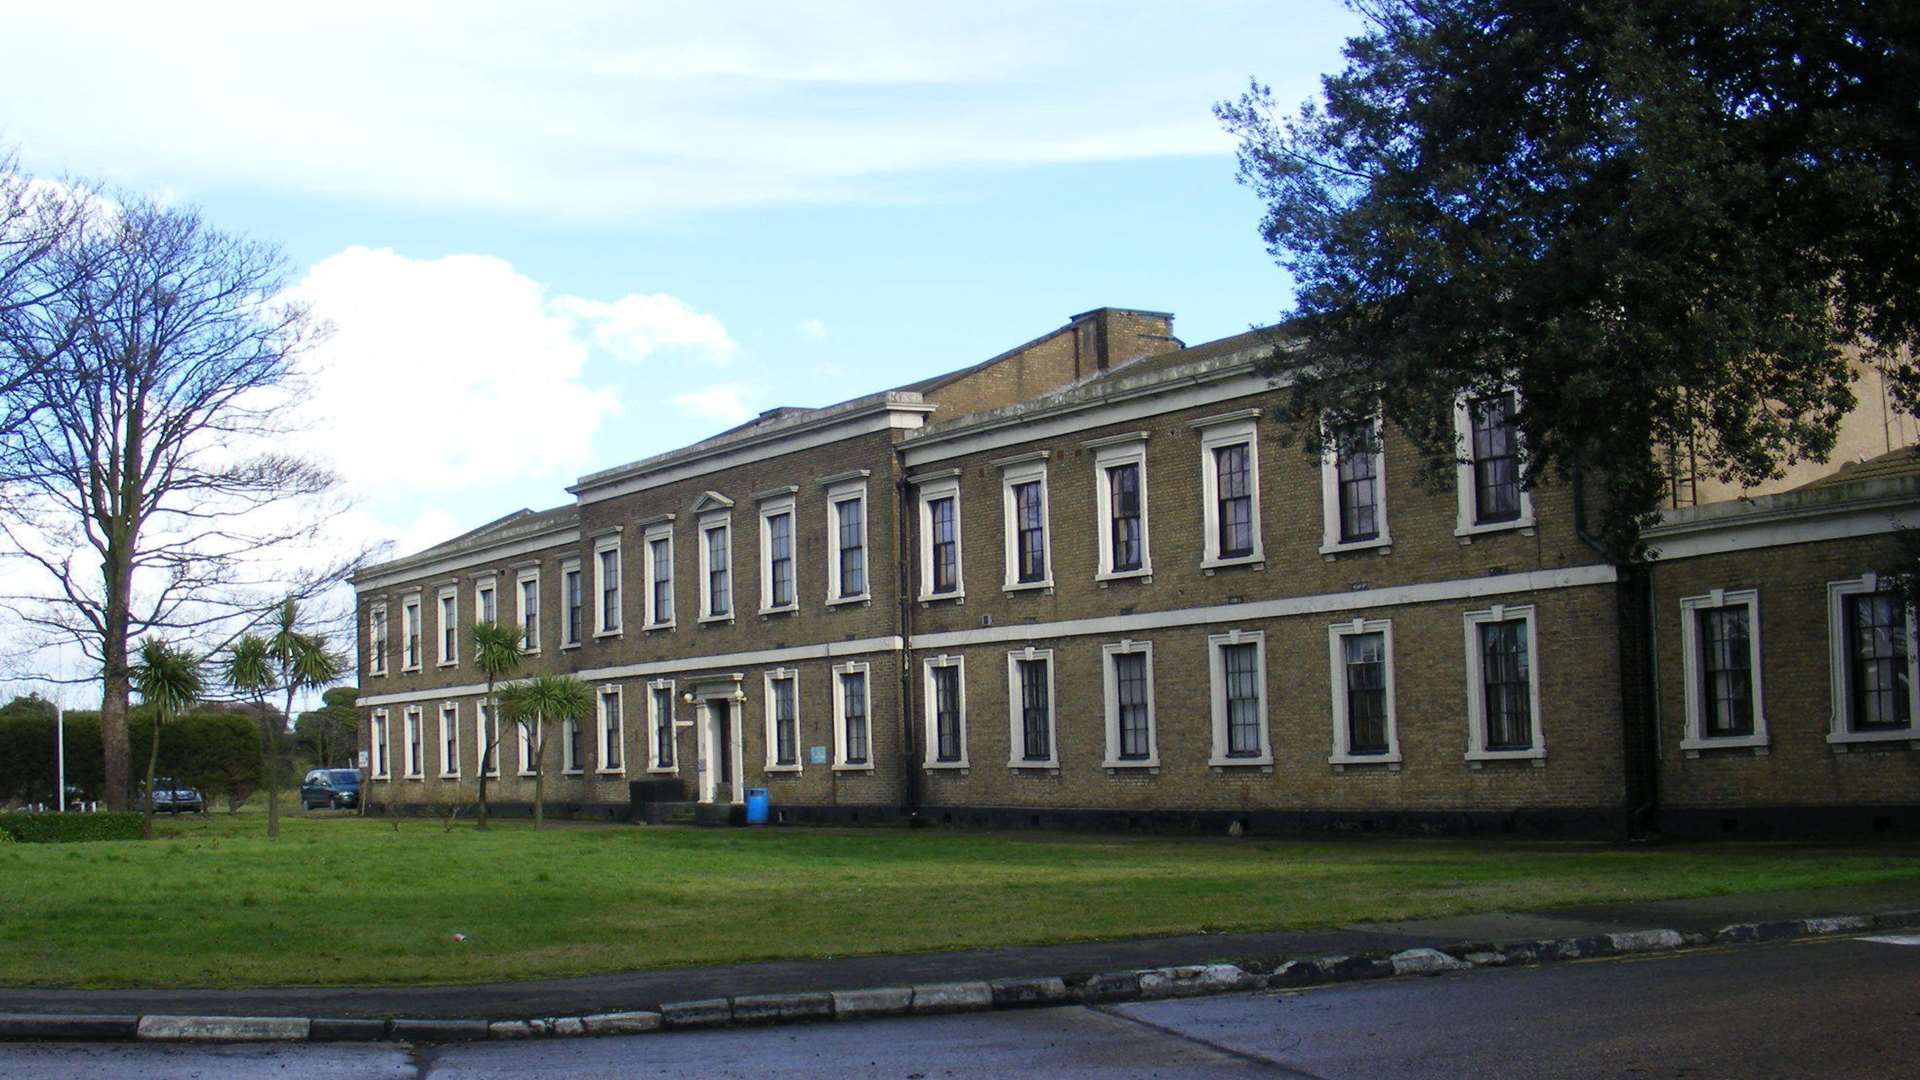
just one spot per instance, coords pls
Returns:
(69, 828)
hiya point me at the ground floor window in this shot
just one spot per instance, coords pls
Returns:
(783, 719)
(946, 702)
(1503, 684)
(660, 725)
(1030, 715)
(1237, 667)
(851, 708)
(1360, 659)
(612, 732)
(1128, 678)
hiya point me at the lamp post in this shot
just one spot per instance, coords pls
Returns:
(60, 759)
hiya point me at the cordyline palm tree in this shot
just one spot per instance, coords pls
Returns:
(289, 661)
(496, 650)
(168, 681)
(531, 704)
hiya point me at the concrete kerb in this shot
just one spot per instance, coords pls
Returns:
(1012, 993)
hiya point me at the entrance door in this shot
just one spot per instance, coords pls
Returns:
(719, 751)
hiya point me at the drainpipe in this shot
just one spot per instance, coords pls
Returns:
(1633, 607)
(909, 759)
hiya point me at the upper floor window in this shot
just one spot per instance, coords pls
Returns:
(946, 698)
(716, 569)
(853, 736)
(570, 586)
(940, 553)
(1230, 485)
(660, 576)
(410, 634)
(1120, 498)
(377, 640)
(1030, 695)
(1360, 658)
(529, 598)
(776, 555)
(449, 626)
(606, 579)
(1024, 487)
(1491, 492)
(1874, 666)
(847, 541)
(1353, 500)
(1503, 685)
(484, 608)
(1720, 655)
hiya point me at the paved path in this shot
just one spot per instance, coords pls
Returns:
(1833, 1008)
(641, 990)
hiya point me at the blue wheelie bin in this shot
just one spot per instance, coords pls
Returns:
(757, 805)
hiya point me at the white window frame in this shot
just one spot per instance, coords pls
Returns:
(412, 629)
(486, 585)
(653, 728)
(1217, 695)
(1109, 454)
(380, 737)
(1016, 731)
(712, 522)
(1841, 672)
(413, 743)
(932, 743)
(1218, 433)
(1337, 682)
(932, 491)
(449, 644)
(1330, 542)
(770, 509)
(654, 534)
(530, 645)
(844, 492)
(619, 728)
(600, 628)
(572, 567)
(799, 749)
(1110, 681)
(1025, 469)
(1477, 685)
(569, 761)
(481, 711)
(524, 728)
(1693, 667)
(1463, 485)
(379, 640)
(450, 726)
(852, 667)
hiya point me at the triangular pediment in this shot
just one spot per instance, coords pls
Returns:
(711, 500)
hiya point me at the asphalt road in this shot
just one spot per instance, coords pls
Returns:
(1834, 1008)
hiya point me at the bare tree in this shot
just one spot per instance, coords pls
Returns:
(149, 480)
(36, 219)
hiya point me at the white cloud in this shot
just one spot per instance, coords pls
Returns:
(814, 329)
(614, 109)
(635, 326)
(723, 403)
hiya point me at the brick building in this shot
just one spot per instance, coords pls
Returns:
(1083, 582)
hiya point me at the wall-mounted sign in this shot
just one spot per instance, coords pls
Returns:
(817, 754)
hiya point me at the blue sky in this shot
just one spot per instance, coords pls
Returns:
(550, 246)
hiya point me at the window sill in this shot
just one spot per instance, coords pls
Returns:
(1380, 544)
(1264, 761)
(569, 645)
(1144, 573)
(868, 767)
(1256, 561)
(1044, 585)
(1466, 533)
(1475, 758)
(1113, 764)
(384, 779)
(947, 766)
(449, 776)
(658, 771)
(784, 770)
(1023, 765)
(1730, 742)
(706, 620)
(377, 674)
(416, 777)
(787, 609)
(572, 772)
(622, 771)
(651, 627)
(1341, 761)
(1841, 739)
(526, 774)
(448, 663)
(927, 599)
(529, 652)
(414, 670)
(601, 634)
(863, 598)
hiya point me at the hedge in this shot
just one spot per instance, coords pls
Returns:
(217, 752)
(69, 828)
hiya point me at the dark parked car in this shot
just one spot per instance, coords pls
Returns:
(171, 796)
(334, 789)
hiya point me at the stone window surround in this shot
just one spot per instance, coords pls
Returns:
(1695, 738)
(1465, 526)
(932, 743)
(864, 669)
(601, 545)
(380, 763)
(1330, 542)
(772, 505)
(450, 740)
(448, 605)
(412, 744)
(1108, 453)
(842, 491)
(1218, 433)
(1109, 678)
(1015, 471)
(617, 728)
(653, 727)
(1016, 729)
(773, 765)
(1337, 634)
(1839, 736)
(711, 522)
(1477, 687)
(1217, 693)
(531, 643)
(653, 533)
(943, 485)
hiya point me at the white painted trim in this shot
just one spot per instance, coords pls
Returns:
(1693, 668)
(413, 743)
(450, 726)
(1110, 681)
(1839, 731)
(528, 759)
(412, 633)
(1464, 492)
(713, 662)
(379, 639)
(486, 595)
(1109, 455)
(845, 491)
(614, 733)
(383, 578)
(1337, 681)
(865, 671)
(379, 737)
(530, 642)
(1217, 693)
(1016, 707)
(713, 522)
(1142, 623)
(773, 764)
(483, 712)
(572, 567)
(1330, 542)
(770, 508)
(931, 699)
(650, 564)
(1221, 434)
(1477, 686)
(653, 727)
(1776, 530)
(449, 643)
(569, 761)
(930, 493)
(602, 626)
(1026, 469)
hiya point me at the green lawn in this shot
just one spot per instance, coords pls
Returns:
(346, 900)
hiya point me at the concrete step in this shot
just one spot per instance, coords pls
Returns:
(665, 813)
(719, 814)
